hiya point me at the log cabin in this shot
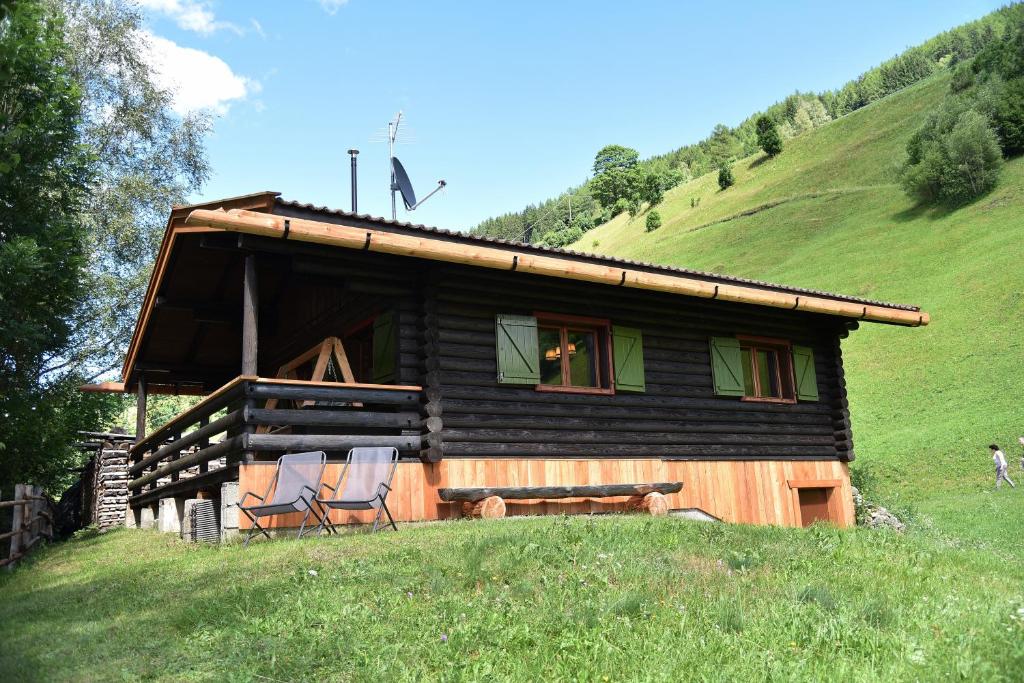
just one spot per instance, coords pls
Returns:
(512, 378)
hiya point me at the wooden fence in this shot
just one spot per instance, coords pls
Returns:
(31, 520)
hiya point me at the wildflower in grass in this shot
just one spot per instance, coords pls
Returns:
(408, 594)
(444, 637)
(313, 572)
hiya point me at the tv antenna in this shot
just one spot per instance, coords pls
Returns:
(400, 179)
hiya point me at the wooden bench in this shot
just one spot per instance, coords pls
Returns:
(490, 502)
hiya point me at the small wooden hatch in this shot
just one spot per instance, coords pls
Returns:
(814, 505)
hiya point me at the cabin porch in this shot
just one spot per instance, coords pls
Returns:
(252, 420)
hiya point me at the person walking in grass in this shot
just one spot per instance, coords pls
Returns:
(1000, 460)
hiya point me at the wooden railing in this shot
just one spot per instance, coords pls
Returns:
(253, 419)
(32, 519)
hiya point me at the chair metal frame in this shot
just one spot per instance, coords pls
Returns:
(380, 496)
(254, 518)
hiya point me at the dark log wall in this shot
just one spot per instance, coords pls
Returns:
(319, 292)
(678, 416)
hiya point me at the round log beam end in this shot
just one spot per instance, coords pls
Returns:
(491, 507)
(654, 504)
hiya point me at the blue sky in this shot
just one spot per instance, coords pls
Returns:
(506, 101)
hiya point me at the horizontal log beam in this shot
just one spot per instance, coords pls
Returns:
(314, 393)
(327, 442)
(472, 495)
(332, 418)
(185, 486)
(219, 425)
(205, 455)
(209, 405)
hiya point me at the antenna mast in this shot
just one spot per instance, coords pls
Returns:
(392, 134)
(400, 177)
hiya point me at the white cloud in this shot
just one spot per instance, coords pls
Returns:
(191, 15)
(332, 6)
(198, 79)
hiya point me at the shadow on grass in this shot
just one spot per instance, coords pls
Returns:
(758, 161)
(931, 211)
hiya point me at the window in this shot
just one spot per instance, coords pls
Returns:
(760, 369)
(767, 370)
(573, 354)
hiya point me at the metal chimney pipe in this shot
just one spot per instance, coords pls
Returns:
(354, 153)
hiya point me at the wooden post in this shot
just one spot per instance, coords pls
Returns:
(140, 409)
(18, 518)
(250, 316)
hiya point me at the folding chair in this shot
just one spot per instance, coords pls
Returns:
(296, 485)
(370, 470)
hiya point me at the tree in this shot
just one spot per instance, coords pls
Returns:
(100, 231)
(725, 179)
(614, 174)
(954, 157)
(768, 137)
(653, 221)
(615, 157)
(652, 188)
(147, 159)
(44, 179)
(974, 159)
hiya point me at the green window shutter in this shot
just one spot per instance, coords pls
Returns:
(384, 348)
(727, 366)
(628, 354)
(517, 349)
(803, 371)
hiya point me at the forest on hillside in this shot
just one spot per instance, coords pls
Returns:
(563, 219)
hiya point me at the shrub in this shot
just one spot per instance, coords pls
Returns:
(653, 221)
(1003, 102)
(768, 137)
(974, 159)
(633, 205)
(953, 158)
(562, 237)
(725, 178)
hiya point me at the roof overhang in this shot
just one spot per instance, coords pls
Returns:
(252, 214)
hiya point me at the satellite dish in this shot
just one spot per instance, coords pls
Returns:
(403, 183)
(400, 179)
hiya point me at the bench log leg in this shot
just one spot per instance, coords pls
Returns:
(655, 504)
(488, 508)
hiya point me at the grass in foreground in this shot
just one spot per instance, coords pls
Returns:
(613, 597)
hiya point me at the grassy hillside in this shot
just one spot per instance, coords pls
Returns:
(610, 598)
(827, 213)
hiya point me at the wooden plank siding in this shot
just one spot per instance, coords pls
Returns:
(677, 416)
(746, 492)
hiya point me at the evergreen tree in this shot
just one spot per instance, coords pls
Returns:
(725, 179)
(768, 137)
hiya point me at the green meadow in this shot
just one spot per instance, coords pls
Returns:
(613, 597)
(828, 214)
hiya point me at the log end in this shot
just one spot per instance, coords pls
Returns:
(654, 504)
(491, 507)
